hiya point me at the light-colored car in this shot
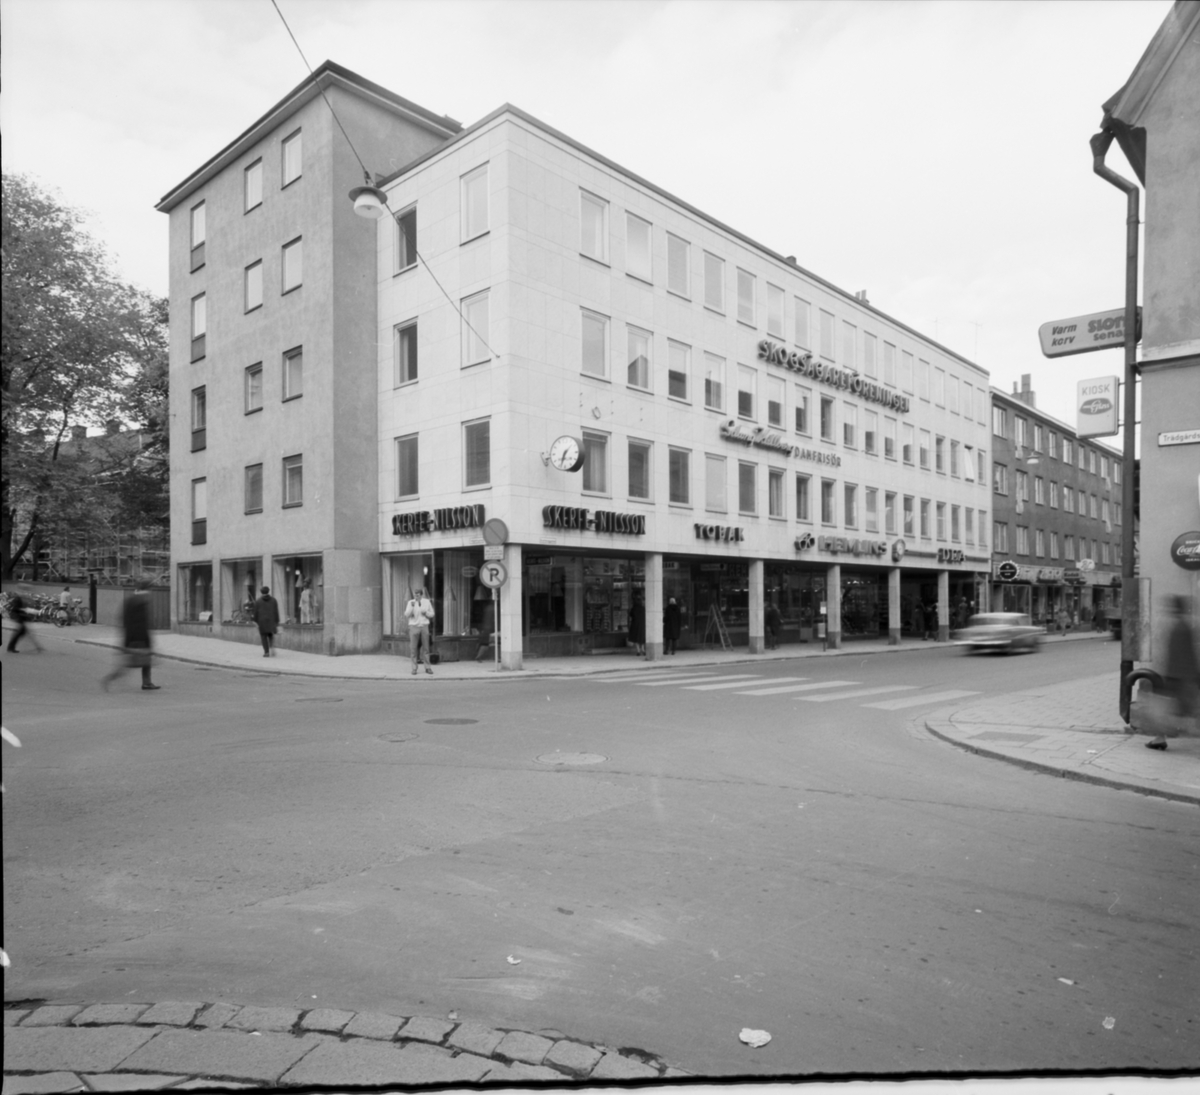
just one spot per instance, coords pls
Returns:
(1000, 631)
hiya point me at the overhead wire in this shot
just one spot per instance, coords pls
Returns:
(369, 182)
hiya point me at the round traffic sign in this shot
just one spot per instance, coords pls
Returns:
(1007, 571)
(493, 574)
(495, 531)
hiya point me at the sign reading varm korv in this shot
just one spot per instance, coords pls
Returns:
(1082, 334)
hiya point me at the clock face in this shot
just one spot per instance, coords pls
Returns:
(566, 454)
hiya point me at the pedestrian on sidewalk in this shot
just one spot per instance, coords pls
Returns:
(266, 615)
(916, 622)
(135, 653)
(774, 624)
(19, 611)
(419, 614)
(637, 625)
(672, 625)
(1181, 674)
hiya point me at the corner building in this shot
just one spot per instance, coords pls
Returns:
(749, 433)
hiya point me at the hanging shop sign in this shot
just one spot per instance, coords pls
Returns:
(1185, 551)
(1096, 406)
(725, 533)
(1081, 334)
(763, 438)
(438, 520)
(1006, 571)
(950, 555)
(573, 517)
(806, 365)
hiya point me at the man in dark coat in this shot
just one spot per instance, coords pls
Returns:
(637, 625)
(20, 614)
(266, 615)
(1181, 672)
(135, 622)
(774, 624)
(672, 625)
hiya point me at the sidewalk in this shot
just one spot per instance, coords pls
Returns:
(1073, 730)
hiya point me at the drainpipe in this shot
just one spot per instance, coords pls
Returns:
(1130, 639)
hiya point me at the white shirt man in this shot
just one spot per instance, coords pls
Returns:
(419, 614)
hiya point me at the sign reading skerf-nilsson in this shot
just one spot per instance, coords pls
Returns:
(439, 520)
(806, 365)
(574, 517)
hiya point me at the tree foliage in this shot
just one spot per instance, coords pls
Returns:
(78, 347)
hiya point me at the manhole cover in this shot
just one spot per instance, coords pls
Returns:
(397, 737)
(451, 722)
(571, 758)
(319, 699)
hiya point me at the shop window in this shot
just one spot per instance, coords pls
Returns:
(637, 371)
(802, 334)
(678, 370)
(638, 248)
(293, 481)
(639, 470)
(593, 226)
(199, 419)
(850, 504)
(290, 160)
(828, 502)
(475, 329)
(298, 583)
(407, 463)
(404, 239)
(195, 591)
(475, 203)
(775, 298)
(241, 583)
(252, 279)
(714, 382)
(803, 503)
(595, 462)
(747, 392)
(775, 505)
(252, 188)
(746, 288)
(293, 265)
(714, 283)
(715, 500)
(802, 397)
(404, 353)
(747, 488)
(776, 388)
(477, 453)
(679, 468)
(679, 278)
(253, 489)
(254, 387)
(595, 344)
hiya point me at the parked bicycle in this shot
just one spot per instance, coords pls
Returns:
(74, 613)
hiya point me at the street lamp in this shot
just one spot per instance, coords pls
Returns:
(369, 201)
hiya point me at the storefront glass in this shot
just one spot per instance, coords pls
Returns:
(864, 605)
(798, 594)
(239, 589)
(195, 592)
(294, 574)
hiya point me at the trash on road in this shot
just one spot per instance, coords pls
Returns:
(513, 961)
(1066, 981)
(1109, 1023)
(756, 1039)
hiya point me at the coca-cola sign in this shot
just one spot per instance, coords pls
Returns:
(1185, 551)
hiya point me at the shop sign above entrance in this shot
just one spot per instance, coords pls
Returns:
(950, 555)
(1185, 551)
(572, 517)
(763, 438)
(841, 545)
(728, 533)
(1007, 571)
(806, 365)
(1082, 334)
(438, 520)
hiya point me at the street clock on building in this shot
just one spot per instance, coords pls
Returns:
(566, 453)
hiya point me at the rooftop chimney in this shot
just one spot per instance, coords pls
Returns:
(1025, 394)
(792, 259)
(862, 295)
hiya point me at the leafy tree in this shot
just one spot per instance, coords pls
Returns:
(77, 347)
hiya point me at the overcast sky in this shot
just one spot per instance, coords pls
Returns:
(934, 154)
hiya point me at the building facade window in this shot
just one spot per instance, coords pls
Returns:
(999, 479)
(404, 239)
(593, 226)
(906, 371)
(638, 356)
(1039, 543)
(714, 283)
(828, 327)
(293, 374)
(801, 411)
(999, 536)
(802, 332)
(252, 187)
(850, 425)
(292, 155)
(293, 481)
(870, 437)
(715, 498)
(969, 525)
(199, 325)
(1067, 451)
(746, 292)
(925, 530)
(595, 462)
(955, 531)
(908, 433)
(870, 365)
(254, 387)
(889, 364)
(199, 419)
(827, 422)
(679, 257)
(639, 251)
(775, 503)
(198, 230)
(679, 476)
(1000, 421)
(849, 345)
(923, 452)
(293, 265)
(476, 329)
(1022, 540)
(803, 502)
(939, 455)
(1053, 494)
(1021, 431)
(679, 358)
(747, 488)
(253, 285)
(199, 511)
(408, 483)
(955, 466)
(747, 392)
(923, 379)
(776, 390)
(639, 470)
(253, 489)
(475, 220)
(404, 353)
(714, 382)
(939, 387)
(775, 298)
(870, 509)
(595, 344)
(850, 505)
(941, 520)
(1039, 490)
(477, 453)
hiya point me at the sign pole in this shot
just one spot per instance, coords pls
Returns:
(496, 625)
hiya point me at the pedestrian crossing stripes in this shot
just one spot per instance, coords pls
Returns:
(757, 684)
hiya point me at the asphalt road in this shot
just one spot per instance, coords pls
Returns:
(651, 863)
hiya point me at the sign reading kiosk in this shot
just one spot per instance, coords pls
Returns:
(1096, 407)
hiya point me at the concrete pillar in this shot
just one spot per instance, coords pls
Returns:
(654, 606)
(894, 606)
(943, 606)
(757, 640)
(833, 606)
(512, 604)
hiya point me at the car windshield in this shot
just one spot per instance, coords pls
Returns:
(999, 619)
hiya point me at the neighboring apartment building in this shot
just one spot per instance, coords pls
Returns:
(747, 433)
(1155, 119)
(1057, 515)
